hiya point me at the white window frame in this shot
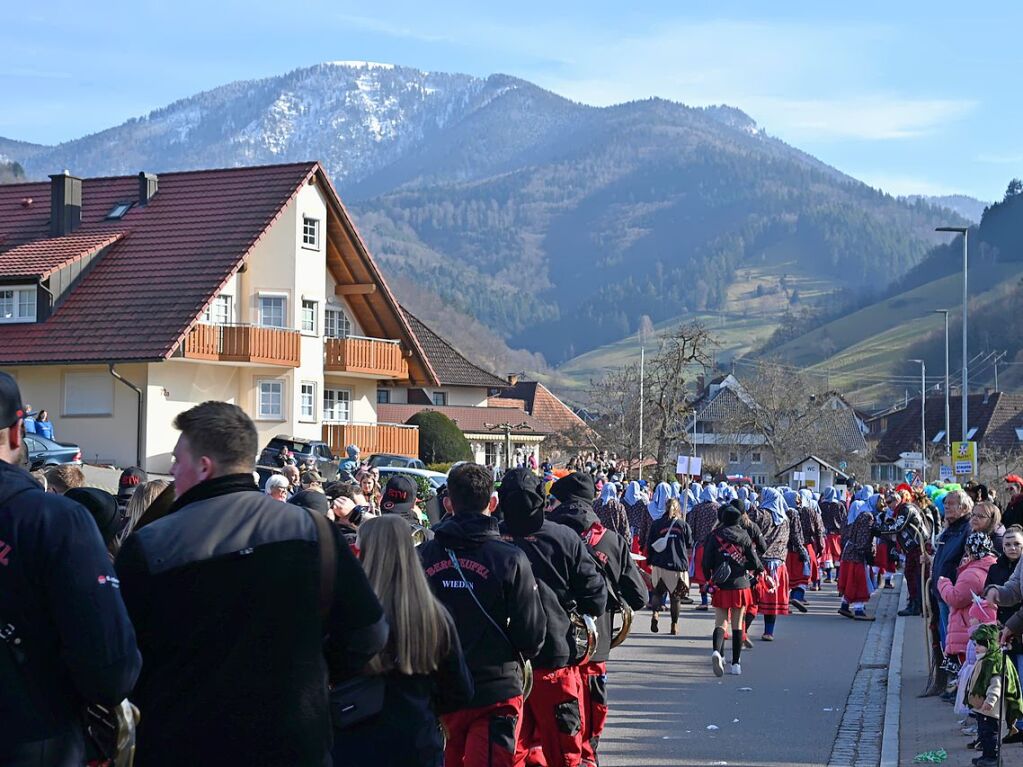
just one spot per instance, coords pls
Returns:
(309, 305)
(310, 233)
(332, 414)
(263, 415)
(23, 305)
(284, 309)
(443, 395)
(220, 311)
(307, 389)
(733, 456)
(98, 403)
(756, 457)
(337, 323)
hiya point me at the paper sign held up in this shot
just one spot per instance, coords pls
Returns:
(682, 466)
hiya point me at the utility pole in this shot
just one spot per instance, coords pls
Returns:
(642, 376)
(997, 359)
(964, 231)
(923, 420)
(948, 417)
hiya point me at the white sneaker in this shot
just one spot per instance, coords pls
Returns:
(735, 669)
(717, 663)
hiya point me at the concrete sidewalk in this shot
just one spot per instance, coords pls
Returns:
(927, 724)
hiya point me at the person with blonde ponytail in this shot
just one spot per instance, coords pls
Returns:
(423, 664)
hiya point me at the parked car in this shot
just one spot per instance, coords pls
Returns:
(380, 460)
(305, 451)
(43, 452)
(437, 479)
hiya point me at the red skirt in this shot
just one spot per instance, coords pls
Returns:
(642, 564)
(881, 558)
(853, 583)
(832, 549)
(795, 568)
(698, 576)
(815, 573)
(773, 602)
(728, 598)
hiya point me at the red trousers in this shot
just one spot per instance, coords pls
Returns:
(594, 684)
(552, 719)
(483, 737)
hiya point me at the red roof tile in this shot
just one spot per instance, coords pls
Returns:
(41, 258)
(145, 291)
(468, 418)
(541, 403)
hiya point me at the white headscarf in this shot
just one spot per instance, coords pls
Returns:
(632, 493)
(659, 504)
(609, 492)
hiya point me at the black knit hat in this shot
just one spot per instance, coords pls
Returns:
(11, 407)
(728, 515)
(521, 496)
(103, 508)
(578, 485)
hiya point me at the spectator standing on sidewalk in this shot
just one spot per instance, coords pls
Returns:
(1000, 574)
(224, 592)
(67, 640)
(44, 426)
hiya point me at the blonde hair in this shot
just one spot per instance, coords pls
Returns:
(420, 631)
(141, 499)
(995, 515)
(64, 477)
(673, 509)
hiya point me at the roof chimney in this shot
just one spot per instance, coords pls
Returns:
(65, 203)
(148, 186)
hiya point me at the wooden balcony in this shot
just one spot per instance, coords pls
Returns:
(243, 343)
(368, 357)
(372, 438)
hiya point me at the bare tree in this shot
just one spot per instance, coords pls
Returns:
(615, 396)
(667, 397)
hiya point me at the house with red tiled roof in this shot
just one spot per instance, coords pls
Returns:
(126, 300)
(464, 392)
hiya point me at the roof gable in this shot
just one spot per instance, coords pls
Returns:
(903, 433)
(451, 367)
(542, 404)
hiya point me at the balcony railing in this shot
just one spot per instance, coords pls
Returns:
(243, 343)
(395, 438)
(375, 357)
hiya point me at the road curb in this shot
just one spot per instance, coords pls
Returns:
(893, 702)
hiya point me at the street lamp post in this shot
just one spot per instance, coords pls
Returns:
(948, 419)
(923, 420)
(964, 231)
(642, 375)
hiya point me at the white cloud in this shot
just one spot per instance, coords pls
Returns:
(899, 185)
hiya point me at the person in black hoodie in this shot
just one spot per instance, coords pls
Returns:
(568, 581)
(571, 504)
(487, 585)
(671, 564)
(730, 548)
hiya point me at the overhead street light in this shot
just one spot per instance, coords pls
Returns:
(964, 231)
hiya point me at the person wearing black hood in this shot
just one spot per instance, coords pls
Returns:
(568, 582)
(487, 585)
(729, 556)
(571, 504)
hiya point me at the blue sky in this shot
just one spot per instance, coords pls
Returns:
(908, 96)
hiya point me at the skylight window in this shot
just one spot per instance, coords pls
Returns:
(971, 433)
(119, 210)
(1019, 434)
(938, 437)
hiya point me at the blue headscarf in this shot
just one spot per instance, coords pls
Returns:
(632, 494)
(864, 493)
(725, 494)
(609, 492)
(830, 494)
(676, 490)
(709, 494)
(856, 508)
(790, 498)
(689, 502)
(772, 501)
(744, 497)
(807, 496)
(659, 503)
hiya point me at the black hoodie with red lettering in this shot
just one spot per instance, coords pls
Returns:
(610, 549)
(566, 573)
(501, 578)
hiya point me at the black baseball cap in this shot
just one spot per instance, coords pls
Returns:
(11, 407)
(399, 495)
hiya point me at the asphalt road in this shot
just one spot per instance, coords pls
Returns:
(784, 709)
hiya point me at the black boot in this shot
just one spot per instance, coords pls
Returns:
(913, 607)
(938, 682)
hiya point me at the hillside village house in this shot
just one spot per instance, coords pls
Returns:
(995, 424)
(465, 393)
(124, 301)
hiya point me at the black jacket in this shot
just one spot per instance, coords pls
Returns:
(680, 543)
(567, 578)
(948, 552)
(714, 553)
(1013, 512)
(224, 593)
(502, 580)
(59, 593)
(997, 576)
(406, 732)
(612, 554)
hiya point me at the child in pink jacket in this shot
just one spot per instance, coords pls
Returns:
(977, 560)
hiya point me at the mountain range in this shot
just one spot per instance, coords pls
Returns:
(519, 218)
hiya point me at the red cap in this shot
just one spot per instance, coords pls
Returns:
(1014, 479)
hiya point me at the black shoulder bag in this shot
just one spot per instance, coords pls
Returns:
(357, 699)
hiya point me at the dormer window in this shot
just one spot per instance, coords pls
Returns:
(18, 304)
(310, 233)
(119, 210)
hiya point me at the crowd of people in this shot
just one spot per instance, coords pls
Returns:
(217, 620)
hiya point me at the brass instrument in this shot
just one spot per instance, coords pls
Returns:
(584, 629)
(619, 636)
